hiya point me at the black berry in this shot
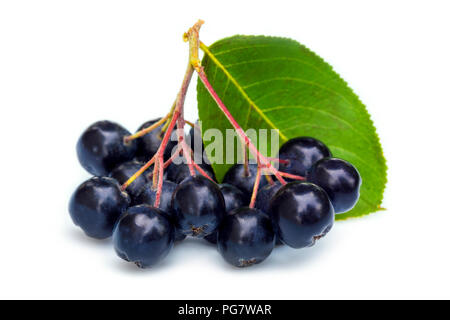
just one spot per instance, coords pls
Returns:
(245, 237)
(301, 153)
(149, 144)
(263, 198)
(101, 147)
(178, 172)
(148, 196)
(340, 179)
(237, 176)
(302, 214)
(234, 198)
(96, 205)
(125, 171)
(198, 205)
(143, 235)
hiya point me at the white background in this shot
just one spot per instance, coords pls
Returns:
(67, 64)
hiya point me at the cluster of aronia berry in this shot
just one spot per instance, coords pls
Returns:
(296, 214)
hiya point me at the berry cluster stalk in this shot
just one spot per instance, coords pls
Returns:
(144, 131)
(176, 116)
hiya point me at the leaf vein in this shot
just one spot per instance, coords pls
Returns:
(329, 114)
(240, 89)
(275, 59)
(218, 53)
(297, 80)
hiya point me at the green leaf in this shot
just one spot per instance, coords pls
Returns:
(269, 82)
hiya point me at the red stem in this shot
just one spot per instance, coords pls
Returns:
(169, 161)
(237, 127)
(202, 172)
(292, 176)
(180, 122)
(186, 153)
(255, 187)
(278, 160)
(178, 118)
(194, 165)
(138, 173)
(160, 181)
(158, 172)
(246, 168)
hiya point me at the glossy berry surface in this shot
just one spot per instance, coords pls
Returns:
(148, 196)
(340, 179)
(178, 172)
(292, 166)
(302, 153)
(198, 205)
(236, 176)
(143, 235)
(148, 144)
(264, 196)
(125, 171)
(96, 206)
(234, 198)
(302, 213)
(245, 237)
(101, 147)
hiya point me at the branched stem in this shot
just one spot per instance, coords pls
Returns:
(176, 117)
(170, 160)
(144, 131)
(138, 173)
(245, 139)
(180, 123)
(263, 162)
(166, 125)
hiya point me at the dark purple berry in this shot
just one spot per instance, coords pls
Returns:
(149, 144)
(301, 153)
(245, 181)
(125, 171)
(245, 237)
(148, 196)
(198, 205)
(263, 198)
(178, 172)
(96, 205)
(302, 214)
(101, 147)
(234, 198)
(340, 179)
(143, 235)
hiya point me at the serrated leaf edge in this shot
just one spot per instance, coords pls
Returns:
(253, 105)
